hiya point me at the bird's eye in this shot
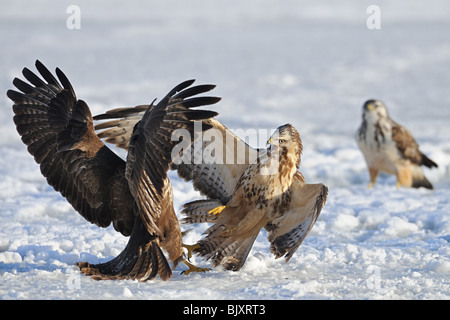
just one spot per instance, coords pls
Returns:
(282, 141)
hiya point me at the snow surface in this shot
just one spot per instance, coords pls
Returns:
(308, 63)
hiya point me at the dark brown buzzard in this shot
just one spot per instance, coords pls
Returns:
(134, 195)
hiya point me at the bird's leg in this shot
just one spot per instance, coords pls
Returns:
(373, 177)
(190, 248)
(228, 230)
(193, 268)
(217, 210)
(404, 177)
(87, 268)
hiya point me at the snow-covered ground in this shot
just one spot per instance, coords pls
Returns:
(308, 63)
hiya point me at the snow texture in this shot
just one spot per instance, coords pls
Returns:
(310, 64)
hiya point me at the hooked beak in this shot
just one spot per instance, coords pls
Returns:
(271, 148)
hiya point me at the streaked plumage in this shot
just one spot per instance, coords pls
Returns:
(278, 200)
(390, 147)
(281, 202)
(134, 195)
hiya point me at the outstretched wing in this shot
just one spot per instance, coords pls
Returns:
(120, 122)
(58, 130)
(151, 143)
(149, 157)
(119, 130)
(408, 147)
(287, 232)
(214, 162)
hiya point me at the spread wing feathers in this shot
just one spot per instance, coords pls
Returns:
(149, 156)
(121, 121)
(215, 178)
(408, 147)
(59, 132)
(55, 127)
(151, 144)
(217, 162)
(119, 131)
(287, 232)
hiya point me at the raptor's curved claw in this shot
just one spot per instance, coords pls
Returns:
(193, 268)
(217, 210)
(190, 248)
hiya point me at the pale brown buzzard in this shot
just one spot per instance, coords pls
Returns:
(390, 147)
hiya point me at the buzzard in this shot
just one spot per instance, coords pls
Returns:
(267, 193)
(390, 147)
(135, 195)
(247, 189)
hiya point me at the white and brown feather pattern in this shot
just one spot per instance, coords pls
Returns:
(281, 202)
(286, 244)
(198, 211)
(390, 147)
(289, 242)
(216, 180)
(208, 178)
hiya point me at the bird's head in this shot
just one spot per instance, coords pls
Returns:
(287, 142)
(374, 110)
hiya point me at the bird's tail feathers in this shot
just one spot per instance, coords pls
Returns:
(423, 182)
(419, 179)
(142, 259)
(427, 162)
(225, 251)
(198, 211)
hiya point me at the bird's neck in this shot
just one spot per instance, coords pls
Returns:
(286, 171)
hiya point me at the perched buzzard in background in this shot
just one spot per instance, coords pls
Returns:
(242, 198)
(134, 195)
(390, 147)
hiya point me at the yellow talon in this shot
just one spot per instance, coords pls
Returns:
(193, 268)
(190, 248)
(217, 210)
(370, 186)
